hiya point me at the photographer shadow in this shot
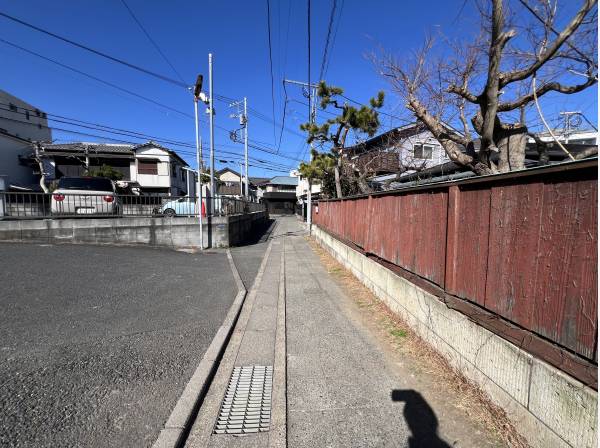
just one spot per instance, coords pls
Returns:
(420, 418)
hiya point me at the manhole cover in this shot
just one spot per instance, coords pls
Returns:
(246, 407)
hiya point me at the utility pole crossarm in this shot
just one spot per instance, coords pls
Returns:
(300, 83)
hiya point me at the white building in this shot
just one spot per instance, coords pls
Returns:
(147, 168)
(575, 137)
(402, 150)
(20, 125)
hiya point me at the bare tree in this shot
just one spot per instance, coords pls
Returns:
(519, 55)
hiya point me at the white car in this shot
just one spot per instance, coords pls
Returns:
(85, 196)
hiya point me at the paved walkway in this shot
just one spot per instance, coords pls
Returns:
(341, 387)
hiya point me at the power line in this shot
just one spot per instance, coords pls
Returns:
(114, 59)
(329, 28)
(271, 65)
(95, 78)
(97, 52)
(222, 98)
(116, 131)
(285, 101)
(287, 35)
(308, 35)
(589, 122)
(379, 112)
(274, 166)
(151, 40)
(259, 115)
(337, 26)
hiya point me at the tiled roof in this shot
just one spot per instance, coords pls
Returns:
(107, 148)
(259, 180)
(283, 180)
(104, 148)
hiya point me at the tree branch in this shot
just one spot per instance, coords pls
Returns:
(551, 48)
(549, 87)
(464, 93)
(573, 47)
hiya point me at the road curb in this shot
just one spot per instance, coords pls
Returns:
(278, 433)
(182, 417)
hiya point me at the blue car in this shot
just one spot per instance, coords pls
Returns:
(179, 207)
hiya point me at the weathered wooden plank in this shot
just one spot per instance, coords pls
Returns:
(515, 218)
(466, 269)
(566, 292)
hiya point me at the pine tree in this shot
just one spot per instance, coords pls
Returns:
(363, 120)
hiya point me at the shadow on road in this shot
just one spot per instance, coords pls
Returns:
(260, 233)
(420, 418)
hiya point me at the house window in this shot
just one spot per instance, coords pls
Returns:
(12, 107)
(423, 151)
(173, 170)
(27, 114)
(148, 166)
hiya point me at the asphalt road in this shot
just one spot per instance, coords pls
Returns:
(97, 343)
(247, 258)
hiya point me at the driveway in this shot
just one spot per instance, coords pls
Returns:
(97, 343)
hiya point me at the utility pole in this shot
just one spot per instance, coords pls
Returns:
(212, 131)
(198, 95)
(312, 118)
(569, 115)
(243, 117)
(246, 146)
(241, 179)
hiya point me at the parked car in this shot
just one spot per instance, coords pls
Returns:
(85, 196)
(185, 206)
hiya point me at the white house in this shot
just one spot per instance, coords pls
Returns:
(230, 183)
(20, 125)
(402, 150)
(157, 169)
(146, 168)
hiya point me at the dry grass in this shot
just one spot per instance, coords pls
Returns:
(471, 399)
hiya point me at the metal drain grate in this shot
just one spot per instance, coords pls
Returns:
(246, 407)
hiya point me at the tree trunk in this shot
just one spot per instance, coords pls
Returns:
(512, 147)
(363, 185)
(338, 182)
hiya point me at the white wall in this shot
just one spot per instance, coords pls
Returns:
(26, 126)
(164, 178)
(228, 176)
(10, 168)
(32, 127)
(302, 187)
(406, 151)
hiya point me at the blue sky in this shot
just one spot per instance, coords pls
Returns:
(236, 33)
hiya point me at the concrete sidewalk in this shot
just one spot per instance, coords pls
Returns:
(258, 342)
(334, 382)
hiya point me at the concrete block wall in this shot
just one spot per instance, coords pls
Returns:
(222, 231)
(548, 407)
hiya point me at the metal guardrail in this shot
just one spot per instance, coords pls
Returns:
(29, 205)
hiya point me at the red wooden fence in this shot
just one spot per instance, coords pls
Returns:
(522, 245)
